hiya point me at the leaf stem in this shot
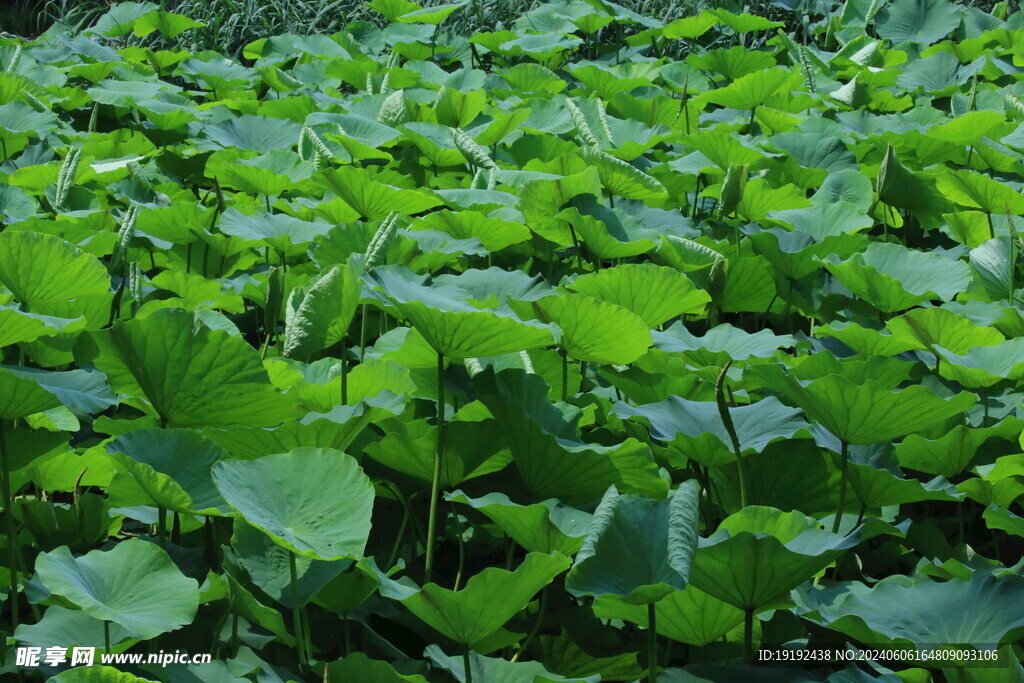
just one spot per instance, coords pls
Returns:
(652, 644)
(296, 617)
(723, 412)
(844, 457)
(748, 635)
(435, 484)
(466, 665)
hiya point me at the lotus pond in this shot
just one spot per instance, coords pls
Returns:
(598, 347)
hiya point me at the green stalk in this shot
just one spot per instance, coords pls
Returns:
(362, 333)
(748, 635)
(652, 645)
(723, 412)
(565, 375)
(12, 534)
(844, 456)
(106, 636)
(466, 665)
(161, 526)
(542, 608)
(435, 484)
(296, 617)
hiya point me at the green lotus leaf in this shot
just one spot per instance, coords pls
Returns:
(620, 178)
(749, 285)
(899, 187)
(846, 185)
(733, 62)
(894, 278)
(498, 669)
(171, 467)
(168, 24)
(953, 452)
(695, 428)
(319, 314)
(1000, 518)
(969, 129)
(876, 480)
(372, 199)
(52, 277)
(541, 200)
(594, 330)
(607, 233)
(865, 341)
(550, 456)
(545, 527)
(82, 392)
(980, 192)
(985, 603)
(267, 174)
(824, 220)
(991, 266)
(454, 328)
(316, 502)
(938, 73)
(267, 564)
(720, 344)
(334, 429)
(189, 374)
(759, 554)
(862, 412)
(256, 133)
(688, 616)
(636, 547)
(99, 673)
(469, 453)
(917, 21)
(743, 23)
(488, 600)
(435, 142)
(21, 395)
(18, 118)
(15, 205)
(358, 667)
(494, 233)
(983, 366)
(277, 230)
(655, 293)
(135, 585)
(751, 90)
(928, 328)
(63, 627)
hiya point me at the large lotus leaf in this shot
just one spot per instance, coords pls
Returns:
(926, 328)
(901, 188)
(594, 330)
(983, 366)
(621, 178)
(542, 199)
(654, 293)
(135, 585)
(494, 233)
(316, 502)
(410, 448)
(498, 670)
(876, 480)
(358, 667)
(335, 429)
(688, 616)
(953, 452)
(759, 554)
(695, 428)
(190, 375)
(544, 527)
(551, 457)
(720, 344)
(608, 233)
(980, 192)
(750, 90)
(172, 468)
(862, 413)
(83, 392)
(319, 314)
(488, 600)
(825, 220)
(453, 327)
(636, 547)
(749, 285)
(985, 609)
(19, 326)
(278, 230)
(968, 129)
(865, 341)
(257, 133)
(893, 278)
(918, 21)
(53, 277)
(268, 565)
(21, 395)
(370, 197)
(63, 627)
(99, 673)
